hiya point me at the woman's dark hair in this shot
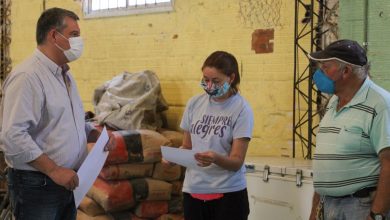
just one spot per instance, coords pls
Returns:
(227, 64)
(52, 18)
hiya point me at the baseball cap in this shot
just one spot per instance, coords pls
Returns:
(347, 51)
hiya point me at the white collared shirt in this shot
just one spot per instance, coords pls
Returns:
(39, 115)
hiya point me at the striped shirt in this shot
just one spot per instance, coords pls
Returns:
(349, 141)
(42, 112)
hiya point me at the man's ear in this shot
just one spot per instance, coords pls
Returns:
(51, 36)
(347, 71)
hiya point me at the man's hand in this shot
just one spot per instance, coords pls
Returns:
(60, 175)
(64, 177)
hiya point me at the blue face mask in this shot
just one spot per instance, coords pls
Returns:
(215, 91)
(323, 82)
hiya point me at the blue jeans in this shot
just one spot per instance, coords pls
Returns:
(349, 208)
(34, 196)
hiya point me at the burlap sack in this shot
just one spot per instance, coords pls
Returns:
(175, 137)
(112, 195)
(175, 205)
(177, 186)
(167, 173)
(150, 189)
(126, 215)
(137, 146)
(90, 207)
(154, 209)
(151, 209)
(130, 101)
(126, 171)
(171, 217)
(82, 216)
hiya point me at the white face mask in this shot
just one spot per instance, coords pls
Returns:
(75, 50)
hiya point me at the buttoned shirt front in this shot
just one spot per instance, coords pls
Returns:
(41, 113)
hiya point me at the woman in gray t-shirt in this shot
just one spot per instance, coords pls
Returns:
(218, 125)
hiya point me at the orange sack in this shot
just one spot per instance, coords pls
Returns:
(126, 171)
(137, 146)
(112, 195)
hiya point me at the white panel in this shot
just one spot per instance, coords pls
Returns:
(279, 198)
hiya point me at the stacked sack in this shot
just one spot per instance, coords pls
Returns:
(134, 184)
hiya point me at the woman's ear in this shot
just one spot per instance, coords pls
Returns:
(232, 77)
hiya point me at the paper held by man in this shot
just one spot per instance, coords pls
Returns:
(91, 167)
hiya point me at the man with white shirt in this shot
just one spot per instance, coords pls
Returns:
(43, 128)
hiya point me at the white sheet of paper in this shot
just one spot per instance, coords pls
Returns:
(180, 156)
(91, 167)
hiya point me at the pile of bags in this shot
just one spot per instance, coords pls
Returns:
(134, 184)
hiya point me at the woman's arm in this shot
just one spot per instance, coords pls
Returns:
(187, 144)
(232, 162)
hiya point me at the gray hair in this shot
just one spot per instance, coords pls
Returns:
(359, 71)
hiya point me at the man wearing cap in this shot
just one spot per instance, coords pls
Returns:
(352, 160)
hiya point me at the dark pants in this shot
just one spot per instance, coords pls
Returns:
(232, 206)
(34, 196)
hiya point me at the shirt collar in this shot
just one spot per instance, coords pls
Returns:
(53, 67)
(359, 97)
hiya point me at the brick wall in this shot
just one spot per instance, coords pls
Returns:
(174, 45)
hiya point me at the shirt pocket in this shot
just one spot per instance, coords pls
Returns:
(353, 139)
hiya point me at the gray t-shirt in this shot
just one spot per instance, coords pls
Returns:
(213, 126)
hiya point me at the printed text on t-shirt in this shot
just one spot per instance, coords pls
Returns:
(211, 125)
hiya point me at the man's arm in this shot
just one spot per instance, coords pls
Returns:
(62, 176)
(316, 201)
(21, 112)
(381, 203)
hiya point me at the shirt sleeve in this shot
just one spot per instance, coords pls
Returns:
(380, 130)
(244, 125)
(22, 105)
(186, 121)
(88, 128)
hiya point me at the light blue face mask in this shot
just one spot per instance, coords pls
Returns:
(323, 82)
(215, 91)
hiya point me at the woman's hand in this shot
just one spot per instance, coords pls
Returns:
(206, 158)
